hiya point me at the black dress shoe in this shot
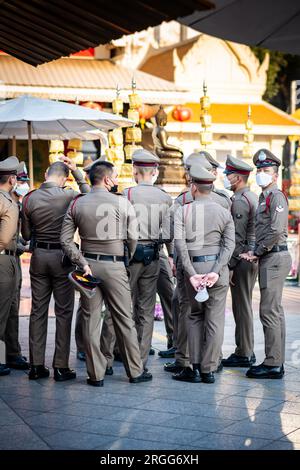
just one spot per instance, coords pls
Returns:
(173, 367)
(81, 355)
(95, 383)
(265, 372)
(168, 354)
(188, 375)
(18, 362)
(144, 377)
(207, 378)
(61, 374)
(38, 372)
(151, 352)
(238, 361)
(109, 371)
(4, 370)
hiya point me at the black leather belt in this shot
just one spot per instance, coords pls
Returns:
(278, 248)
(48, 246)
(103, 257)
(203, 259)
(8, 252)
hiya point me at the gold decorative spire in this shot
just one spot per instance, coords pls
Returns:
(248, 136)
(205, 118)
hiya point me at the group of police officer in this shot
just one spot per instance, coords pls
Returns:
(131, 245)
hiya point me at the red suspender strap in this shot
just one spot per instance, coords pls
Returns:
(268, 202)
(250, 207)
(25, 203)
(129, 194)
(73, 204)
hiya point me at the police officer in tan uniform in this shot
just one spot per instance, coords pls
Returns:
(274, 263)
(243, 274)
(14, 358)
(43, 211)
(205, 160)
(151, 204)
(205, 245)
(9, 216)
(105, 221)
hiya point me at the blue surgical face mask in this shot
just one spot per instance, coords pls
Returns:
(22, 189)
(226, 182)
(263, 179)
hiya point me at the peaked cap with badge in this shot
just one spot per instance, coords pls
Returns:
(198, 158)
(234, 165)
(9, 166)
(264, 158)
(143, 157)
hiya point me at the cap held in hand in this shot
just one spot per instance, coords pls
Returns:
(84, 284)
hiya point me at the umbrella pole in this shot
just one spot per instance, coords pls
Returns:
(30, 154)
(14, 146)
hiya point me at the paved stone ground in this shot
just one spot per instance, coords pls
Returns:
(234, 413)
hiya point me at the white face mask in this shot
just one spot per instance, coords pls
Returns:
(226, 182)
(263, 179)
(154, 179)
(22, 189)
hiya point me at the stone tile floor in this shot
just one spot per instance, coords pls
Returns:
(234, 413)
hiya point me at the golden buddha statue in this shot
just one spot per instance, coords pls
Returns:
(171, 162)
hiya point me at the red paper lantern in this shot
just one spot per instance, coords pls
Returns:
(92, 105)
(147, 112)
(181, 114)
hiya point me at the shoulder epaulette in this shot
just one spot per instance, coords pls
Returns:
(221, 193)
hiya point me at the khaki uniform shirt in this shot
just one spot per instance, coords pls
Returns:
(9, 217)
(271, 223)
(104, 221)
(151, 205)
(243, 210)
(204, 227)
(221, 197)
(43, 210)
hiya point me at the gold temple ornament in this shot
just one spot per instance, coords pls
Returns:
(248, 136)
(206, 137)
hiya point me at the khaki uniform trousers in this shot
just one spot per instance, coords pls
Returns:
(175, 315)
(165, 290)
(273, 270)
(8, 279)
(143, 282)
(13, 348)
(48, 276)
(107, 335)
(115, 290)
(183, 309)
(243, 279)
(206, 322)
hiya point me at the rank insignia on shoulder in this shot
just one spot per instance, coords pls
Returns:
(279, 209)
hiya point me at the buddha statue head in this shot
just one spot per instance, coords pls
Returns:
(161, 117)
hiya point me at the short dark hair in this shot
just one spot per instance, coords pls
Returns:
(4, 179)
(98, 172)
(58, 169)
